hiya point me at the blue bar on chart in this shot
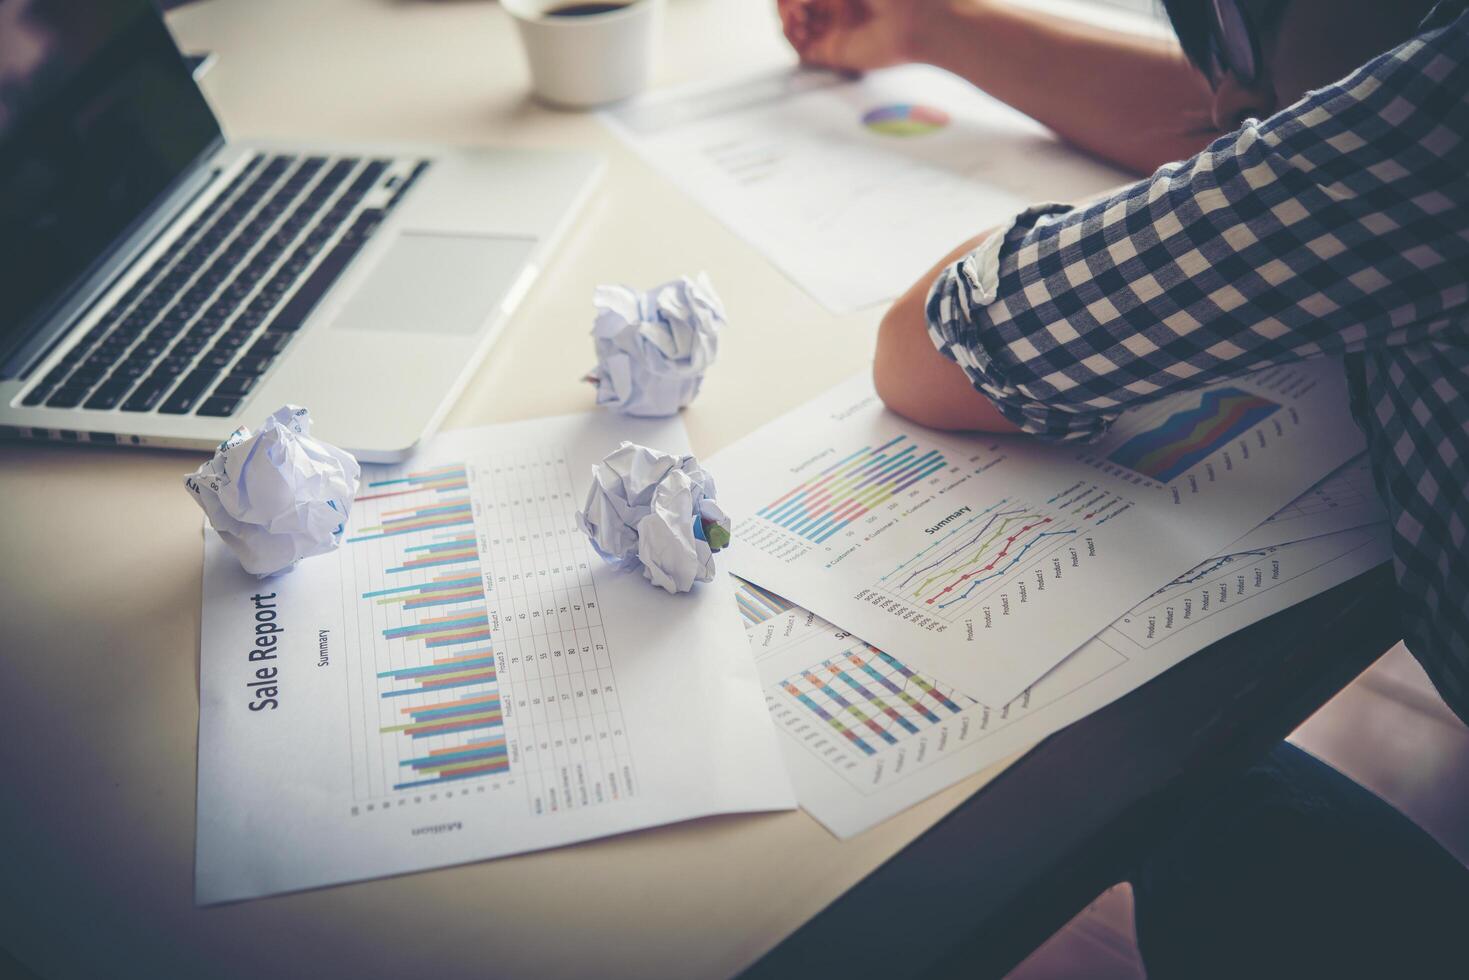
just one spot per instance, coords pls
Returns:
(449, 478)
(439, 616)
(757, 605)
(875, 692)
(478, 758)
(826, 716)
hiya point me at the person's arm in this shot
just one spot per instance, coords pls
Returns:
(914, 379)
(1129, 99)
(1335, 226)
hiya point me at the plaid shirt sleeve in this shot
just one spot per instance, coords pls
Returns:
(1338, 226)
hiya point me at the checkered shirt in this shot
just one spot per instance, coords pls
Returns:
(1339, 226)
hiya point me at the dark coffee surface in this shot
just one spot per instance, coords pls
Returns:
(585, 9)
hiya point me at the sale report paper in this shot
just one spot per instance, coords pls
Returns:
(855, 187)
(464, 679)
(987, 559)
(867, 736)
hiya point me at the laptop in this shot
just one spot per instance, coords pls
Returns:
(161, 285)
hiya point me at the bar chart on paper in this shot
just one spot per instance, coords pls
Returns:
(871, 700)
(852, 487)
(756, 604)
(868, 736)
(484, 661)
(901, 539)
(986, 559)
(464, 678)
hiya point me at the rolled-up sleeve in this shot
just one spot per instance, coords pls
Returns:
(1334, 226)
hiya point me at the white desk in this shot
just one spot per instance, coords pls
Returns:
(100, 605)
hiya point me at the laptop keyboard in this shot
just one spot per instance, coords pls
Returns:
(195, 333)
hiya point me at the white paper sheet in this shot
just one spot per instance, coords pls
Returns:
(1344, 500)
(986, 560)
(855, 187)
(466, 679)
(867, 737)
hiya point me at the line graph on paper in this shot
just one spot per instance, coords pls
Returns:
(1349, 495)
(1230, 579)
(980, 554)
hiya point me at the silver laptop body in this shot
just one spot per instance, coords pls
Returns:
(364, 282)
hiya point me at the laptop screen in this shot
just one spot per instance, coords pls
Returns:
(98, 117)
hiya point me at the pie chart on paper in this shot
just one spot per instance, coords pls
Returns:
(905, 119)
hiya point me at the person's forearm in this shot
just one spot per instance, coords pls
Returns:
(914, 379)
(1129, 99)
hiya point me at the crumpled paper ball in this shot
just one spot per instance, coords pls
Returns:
(277, 496)
(653, 347)
(656, 510)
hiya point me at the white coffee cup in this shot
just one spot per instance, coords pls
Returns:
(590, 59)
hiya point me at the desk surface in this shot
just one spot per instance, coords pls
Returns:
(103, 554)
(101, 596)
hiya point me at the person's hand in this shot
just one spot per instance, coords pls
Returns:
(851, 35)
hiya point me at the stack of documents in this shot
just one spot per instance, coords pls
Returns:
(988, 591)
(465, 679)
(1000, 589)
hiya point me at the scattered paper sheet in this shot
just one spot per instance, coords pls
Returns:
(855, 187)
(465, 678)
(867, 736)
(986, 560)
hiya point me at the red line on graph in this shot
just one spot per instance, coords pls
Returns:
(1004, 552)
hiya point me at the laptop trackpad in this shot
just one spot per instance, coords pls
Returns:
(432, 282)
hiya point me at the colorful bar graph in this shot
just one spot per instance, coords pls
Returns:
(442, 479)
(449, 630)
(865, 693)
(827, 717)
(459, 550)
(438, 619)
(451, 513)
(475, 667)
(849, 488)
(479, 758)
(923, 683)
(757, 605)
